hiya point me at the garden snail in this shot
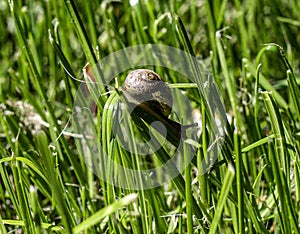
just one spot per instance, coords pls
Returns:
(146, 86)
(152, 101)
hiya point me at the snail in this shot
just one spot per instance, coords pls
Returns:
(146, 86)
(152, 99)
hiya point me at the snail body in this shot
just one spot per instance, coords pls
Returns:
(146, 87)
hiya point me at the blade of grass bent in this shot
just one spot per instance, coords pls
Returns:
(104, 212)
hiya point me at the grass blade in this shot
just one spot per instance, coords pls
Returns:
(103, 213)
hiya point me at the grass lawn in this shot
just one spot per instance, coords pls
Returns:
(74, 158)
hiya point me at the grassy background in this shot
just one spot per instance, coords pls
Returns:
(252, 50)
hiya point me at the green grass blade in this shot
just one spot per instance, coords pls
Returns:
(103, 213)
(229, 177)
(278, 161)
(57, 188)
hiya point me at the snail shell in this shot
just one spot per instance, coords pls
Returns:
(146, 86)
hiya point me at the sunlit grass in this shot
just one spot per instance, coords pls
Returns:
(251, 49)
